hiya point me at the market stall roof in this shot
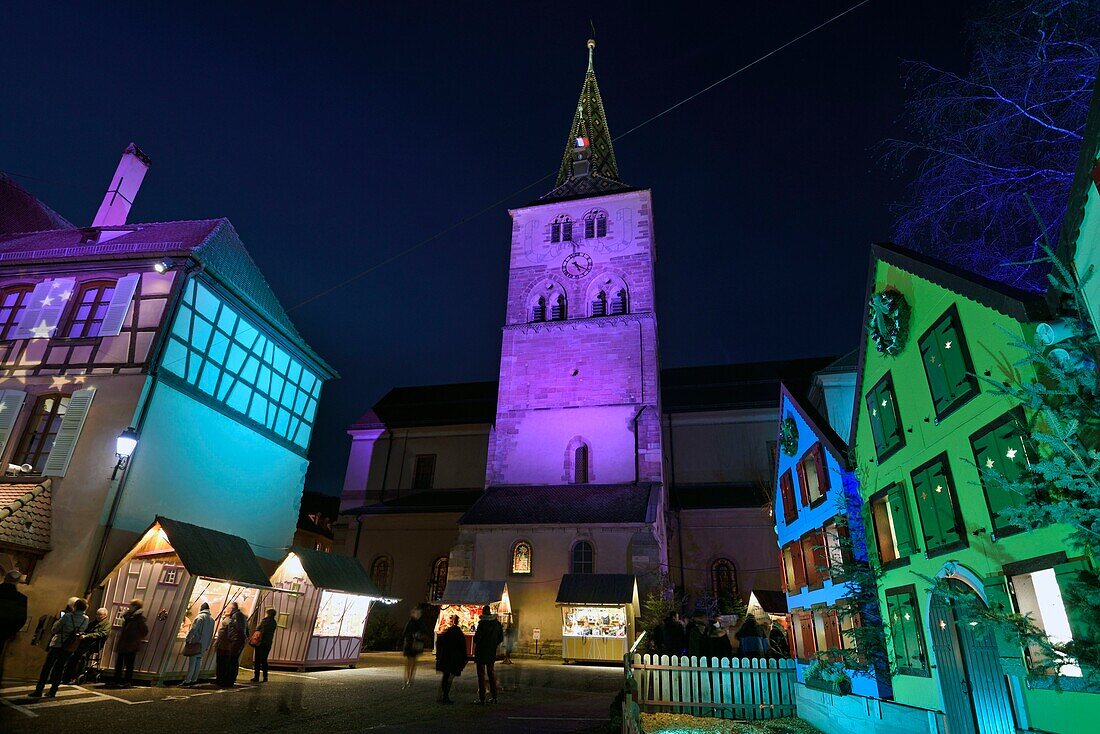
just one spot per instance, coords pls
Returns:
(336, 572)
(772, 602)
(598, 588)
(473, 591)
(204, 552)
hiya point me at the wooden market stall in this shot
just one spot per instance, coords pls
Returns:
(597, 613)
(466, 597)
(322, 622)
(173, 569)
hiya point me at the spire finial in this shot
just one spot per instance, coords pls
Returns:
(591, 48)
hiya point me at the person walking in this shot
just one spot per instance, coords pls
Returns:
(13, 613)
(266, 628)
(412, 644)
(197, 643)
(63, 643)
(131, 636)
(231, 640)
(487, 639)
(450, 658)
(95, 637)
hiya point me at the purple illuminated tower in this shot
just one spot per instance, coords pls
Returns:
(575, 456)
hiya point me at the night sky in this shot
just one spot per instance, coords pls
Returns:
(336, 135)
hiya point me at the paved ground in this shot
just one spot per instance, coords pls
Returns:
(542, 696)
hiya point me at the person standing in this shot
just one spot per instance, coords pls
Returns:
(777, 641)
(95, 637)
(67, 632)
(412, 644)
(487, 639)
(672, 635)
(13, 612)
(266, 628)
(130, 639)
(696, 635)
(753, 642)
(197, 643)
(450, 658)
(231, 640)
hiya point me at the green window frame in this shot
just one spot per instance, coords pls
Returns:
(938, 507)
(906, 631)
(893, 525)
(885, 418)
(1002, 446)
(947, 364)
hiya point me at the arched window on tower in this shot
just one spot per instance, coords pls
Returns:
(599, 304)
(723, 579)
(437, 582)
(521, 557)
(557, 310)
(580, 464)
(538, 311)
(618, 302)
(381, 572)
(595, 224)
(584, 558)
(561, 229)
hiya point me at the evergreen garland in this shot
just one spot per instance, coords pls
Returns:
(888, 321)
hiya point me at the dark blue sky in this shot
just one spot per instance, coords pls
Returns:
(334, 135)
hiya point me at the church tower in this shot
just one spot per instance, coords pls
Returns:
(575, 472)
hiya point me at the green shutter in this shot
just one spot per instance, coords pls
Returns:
(903, 528)
(956, 359)
(935, 500)
(873, 415)
(71, 425)
(934, 367)
(992, 452)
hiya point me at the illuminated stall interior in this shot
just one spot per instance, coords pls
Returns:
(321, 621)
(466, 598)
(597, 611)
(174, 568)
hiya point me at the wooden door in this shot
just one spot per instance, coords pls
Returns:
(950, 668)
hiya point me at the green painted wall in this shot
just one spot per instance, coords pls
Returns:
(990, 350)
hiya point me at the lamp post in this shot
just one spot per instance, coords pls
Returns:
(124, 449)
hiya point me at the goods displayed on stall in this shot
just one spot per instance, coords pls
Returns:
(175, 568)
(321, 622)
(466, 597)
(597, 615)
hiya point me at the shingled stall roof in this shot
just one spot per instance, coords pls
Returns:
(336, 572)
(213, 242)
(772, 602)
(213, 554)
(598, 588)
(568, 504)
(473, 591)
(26, 516)
(429, 500)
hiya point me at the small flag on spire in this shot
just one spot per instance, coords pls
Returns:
(582, 142)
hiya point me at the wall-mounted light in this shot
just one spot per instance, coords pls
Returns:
(164, 265)
(124, 448)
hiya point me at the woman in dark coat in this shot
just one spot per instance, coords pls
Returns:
(266, 628)
(128, 643)
(231, 640)
(450, 658)
(412, 644)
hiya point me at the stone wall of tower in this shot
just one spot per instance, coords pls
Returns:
(590, 379)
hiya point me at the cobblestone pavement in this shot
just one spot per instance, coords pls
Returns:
(537, 696)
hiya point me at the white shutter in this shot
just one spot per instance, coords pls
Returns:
(65, 443)
(11, 402)
(120, 304)
(47, 303)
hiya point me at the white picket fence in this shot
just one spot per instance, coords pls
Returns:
(722, 688)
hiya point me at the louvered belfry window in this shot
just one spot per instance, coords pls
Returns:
(538, 311)
(557, 311)
(599, 304)
(618, 302)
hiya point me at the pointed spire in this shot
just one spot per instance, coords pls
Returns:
(589, 129)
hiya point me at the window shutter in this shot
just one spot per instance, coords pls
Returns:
(934, 367)
(944, 503)
(822, 470)
(120, 304)
(954, 359)
(11, 402)
(832, 630)
(601, 226)
(799, 566)
(49, 313)
(790, 509)
(71, 425)
(803, 490)
(783, 572)
(891, 429)
(903, 528)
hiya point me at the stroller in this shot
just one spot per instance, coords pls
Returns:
(84, 666)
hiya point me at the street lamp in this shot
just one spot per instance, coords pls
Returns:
(124, 448)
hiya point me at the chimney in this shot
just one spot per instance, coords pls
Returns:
(124, 187)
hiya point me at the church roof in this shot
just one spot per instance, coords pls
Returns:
(589, 122)
(20, 211)
(568, 504)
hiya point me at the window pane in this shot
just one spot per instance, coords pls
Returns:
(1039, 595)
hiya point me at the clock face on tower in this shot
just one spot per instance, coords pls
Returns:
(577, 265)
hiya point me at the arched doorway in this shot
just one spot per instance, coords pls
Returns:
(975, 692)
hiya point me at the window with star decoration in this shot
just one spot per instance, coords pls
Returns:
(906, 631)
(947, 364)
(938, 507)
(882, 411)
(1001, 448)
